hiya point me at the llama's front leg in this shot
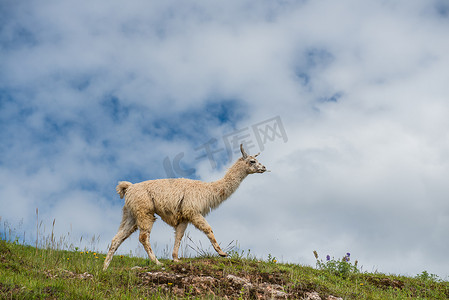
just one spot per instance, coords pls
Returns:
(200, 222)
(179, 233)
(145, 225)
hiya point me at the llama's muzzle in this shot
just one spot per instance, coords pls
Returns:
(263, 170)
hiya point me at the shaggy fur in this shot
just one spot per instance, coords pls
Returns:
(178, 202)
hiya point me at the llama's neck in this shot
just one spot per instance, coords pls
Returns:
(224, 187)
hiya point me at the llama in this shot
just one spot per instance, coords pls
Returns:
(178, 202)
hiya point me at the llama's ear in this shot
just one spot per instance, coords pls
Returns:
(256, 154)
(243, 152)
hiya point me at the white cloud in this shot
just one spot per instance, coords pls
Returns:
(95, 93)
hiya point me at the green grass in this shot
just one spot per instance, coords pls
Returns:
(44, 273)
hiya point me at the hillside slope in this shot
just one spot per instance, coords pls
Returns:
(27, 272)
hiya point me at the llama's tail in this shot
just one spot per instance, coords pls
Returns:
(121, 188)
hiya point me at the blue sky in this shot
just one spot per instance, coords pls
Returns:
(96, 92)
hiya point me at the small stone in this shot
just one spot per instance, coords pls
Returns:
(312, 296)
(330, 297)
(237, 280)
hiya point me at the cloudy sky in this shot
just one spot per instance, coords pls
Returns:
(347, 101)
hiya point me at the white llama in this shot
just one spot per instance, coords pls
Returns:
(178, 202)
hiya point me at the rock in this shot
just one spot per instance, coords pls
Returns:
(238, 280)
(330, 297)
(85, 275)
(316, 296)
(67, 274)
(273, 291)
(312, 296)
(263, 290)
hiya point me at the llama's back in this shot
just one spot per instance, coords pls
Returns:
(171, 199)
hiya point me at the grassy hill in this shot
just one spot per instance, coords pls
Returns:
(31, 273)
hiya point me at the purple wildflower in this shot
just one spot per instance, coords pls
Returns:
(328, 257)
(346, 258)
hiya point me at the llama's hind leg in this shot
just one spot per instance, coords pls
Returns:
(179, 233)
(200, 222)
(145, 224)
(127, 227)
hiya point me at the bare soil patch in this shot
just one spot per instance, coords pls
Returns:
(213, 278)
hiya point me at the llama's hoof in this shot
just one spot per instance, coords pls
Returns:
(222, 254)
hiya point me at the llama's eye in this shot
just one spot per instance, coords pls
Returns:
(252, 161)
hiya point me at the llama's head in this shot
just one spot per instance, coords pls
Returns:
(253, 166)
